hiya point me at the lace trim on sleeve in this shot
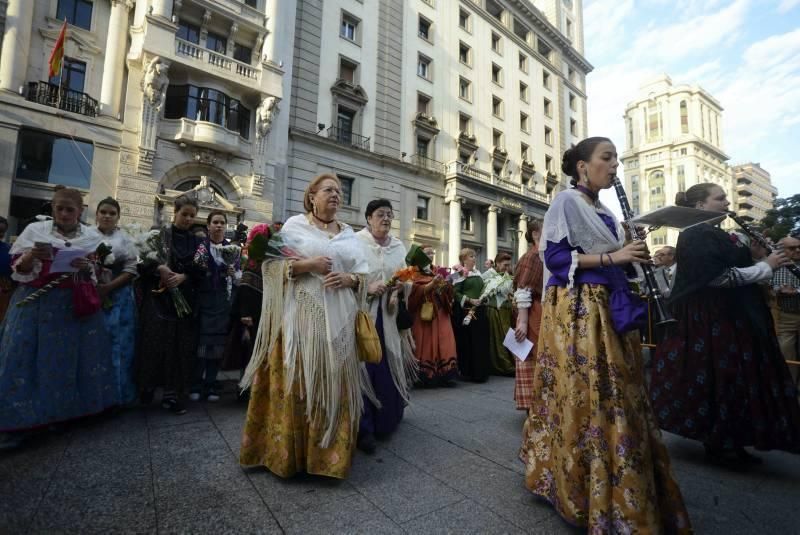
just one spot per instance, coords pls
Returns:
(32, 275)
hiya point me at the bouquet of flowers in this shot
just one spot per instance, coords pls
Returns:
(150, 245)
(498, 285)
(100, 256)
(231, 254)
(258, 246)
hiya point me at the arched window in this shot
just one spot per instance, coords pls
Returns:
(205, 104)
(684, 117)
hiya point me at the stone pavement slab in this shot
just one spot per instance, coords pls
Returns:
(451, 467)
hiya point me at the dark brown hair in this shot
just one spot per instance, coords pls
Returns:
(695, 194)
(185, 200)
(581, 152)
(216, 212)
(111, 201)
(501, 257)
(534, 225)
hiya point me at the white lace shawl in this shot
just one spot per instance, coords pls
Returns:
(317, 325)
(87, 239)
(571, 217)
(383, 262)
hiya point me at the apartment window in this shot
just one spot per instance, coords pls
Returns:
(543, 48)
(573, 127)
(75, 12)
(347, 189)
(348, 70)
(497, 43)
(497, 139)
(524, 123)
(242, 53)
(349, 27)
(653, 122)
(464, 54)
(424, 67)
(572, 105)
(501, 227)
(217, 43)
(251, 3)
(466, 219)
(423, 143)
(464, 123)
(188, 32)
(571, 74)
(524, 151)
(74, 75)
(548, 135)
(680, 172)
(568, 27)
(684, 118)
(44, 157)
(523, 62)
(465, 89)
(207, 104)
(548, 163)
(464, 20)
(495, 9)
(521, 30)
(546, 79)
(423, 205)
(423, 104)
(523, 91)
(424, 28)
(497, 74)
(684, 152)
(497, 107)
(548, 108)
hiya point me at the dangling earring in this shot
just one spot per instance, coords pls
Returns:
(313, 208)
(585, 179)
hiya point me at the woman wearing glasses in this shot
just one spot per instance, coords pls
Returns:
(393, 376)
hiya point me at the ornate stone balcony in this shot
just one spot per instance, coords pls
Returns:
(468, 172)
(205, 134)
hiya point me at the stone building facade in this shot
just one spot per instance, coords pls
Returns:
(156, 97)
(755, 193)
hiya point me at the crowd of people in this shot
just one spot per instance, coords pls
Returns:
(331, 329)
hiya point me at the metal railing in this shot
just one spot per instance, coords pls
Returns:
(459, 168)
(62, 98)
(428, 163)
(347, 137)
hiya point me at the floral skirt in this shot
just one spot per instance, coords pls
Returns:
(53, 367)
(278, 435)
(591, 445)
(719, 379)
(121, 325)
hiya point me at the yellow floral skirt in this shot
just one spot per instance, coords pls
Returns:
(591, 444)
(278, 435)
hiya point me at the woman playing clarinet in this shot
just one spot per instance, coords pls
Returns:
(719, 377)
(591, 445)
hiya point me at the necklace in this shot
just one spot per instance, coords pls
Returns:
(324, 223)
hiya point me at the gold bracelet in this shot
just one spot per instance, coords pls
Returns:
(290, 269)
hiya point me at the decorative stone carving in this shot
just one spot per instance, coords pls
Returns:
(257, 187)
(265, 114)
(208, 157)
(155, 82)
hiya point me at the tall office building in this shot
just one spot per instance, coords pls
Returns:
(673, 135)
(754, 191)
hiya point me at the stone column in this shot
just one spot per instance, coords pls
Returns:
(454, 241)
(522, 245)
(139, 12)
(270, 47)
(162, 8)
(16, 44)
(111, 90)
(491, 232)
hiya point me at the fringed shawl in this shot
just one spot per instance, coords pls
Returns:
(383, 262)
(317, 325)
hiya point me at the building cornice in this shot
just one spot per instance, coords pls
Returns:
(539, 23)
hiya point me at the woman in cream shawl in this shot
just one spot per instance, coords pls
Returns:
(392, 377)
(305, 397)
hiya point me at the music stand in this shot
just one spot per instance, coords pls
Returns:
(678, 217)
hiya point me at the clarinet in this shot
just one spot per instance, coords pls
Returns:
(793, 268)
(649, 276)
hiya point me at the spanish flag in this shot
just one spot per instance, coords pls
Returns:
(57, 55)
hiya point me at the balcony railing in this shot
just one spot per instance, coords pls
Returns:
(459, 168)
(62, 98)
(428, 163)
(347, 137)
(185, 48)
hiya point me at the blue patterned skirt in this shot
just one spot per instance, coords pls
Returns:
(53, 367)
(121, 326)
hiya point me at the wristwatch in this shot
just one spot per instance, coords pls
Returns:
(354, 279)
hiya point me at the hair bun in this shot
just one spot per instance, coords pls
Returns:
(680, 199)
(568, 161)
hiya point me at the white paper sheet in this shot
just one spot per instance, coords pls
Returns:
(518, 349)
(61, 263)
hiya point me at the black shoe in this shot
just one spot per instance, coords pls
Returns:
(174, 406)
(366, 443)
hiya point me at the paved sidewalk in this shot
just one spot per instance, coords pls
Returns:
(451, 468)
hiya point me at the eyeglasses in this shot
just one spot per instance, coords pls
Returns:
(383, 215)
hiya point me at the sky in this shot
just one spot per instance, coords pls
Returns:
(745, 53)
